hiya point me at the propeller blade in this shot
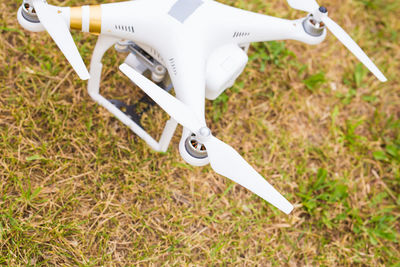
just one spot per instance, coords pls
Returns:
(175, 108)
(353, 47)
(304, 5)
(58, 30)
(227, 162)
(223, 158)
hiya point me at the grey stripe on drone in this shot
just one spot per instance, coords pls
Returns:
(182, 9)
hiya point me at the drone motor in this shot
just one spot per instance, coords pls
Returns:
(195, 148)
(313, 27)
(192, 150)
(29, 12)
(28, 18)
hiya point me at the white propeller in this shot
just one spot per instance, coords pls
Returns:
(223, 158)
(304, 5)
(58, 30)
(321, 13)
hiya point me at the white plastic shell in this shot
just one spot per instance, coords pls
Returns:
(223, 67)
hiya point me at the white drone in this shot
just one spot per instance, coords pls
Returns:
(198, 47)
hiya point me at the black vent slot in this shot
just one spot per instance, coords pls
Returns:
(173, 66)
(125, 28)
(240, 34)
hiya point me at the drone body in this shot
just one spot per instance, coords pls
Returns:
(198, 47)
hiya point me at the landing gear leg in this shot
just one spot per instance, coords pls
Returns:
(103, 44)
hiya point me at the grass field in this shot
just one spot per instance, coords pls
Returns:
(78, 188)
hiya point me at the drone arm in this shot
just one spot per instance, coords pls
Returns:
(82, 18)
(245, 27)
(260, 28)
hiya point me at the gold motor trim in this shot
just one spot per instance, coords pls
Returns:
(76, 18)
(95, 19)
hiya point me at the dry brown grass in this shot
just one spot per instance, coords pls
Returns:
(78, 188)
